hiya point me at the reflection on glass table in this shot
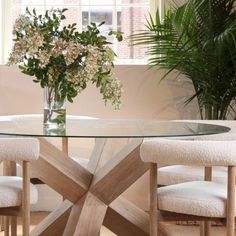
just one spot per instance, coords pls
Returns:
(87, 127)
(94, 194)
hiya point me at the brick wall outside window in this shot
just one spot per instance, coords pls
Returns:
(130, 17)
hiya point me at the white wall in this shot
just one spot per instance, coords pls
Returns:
(142, 98)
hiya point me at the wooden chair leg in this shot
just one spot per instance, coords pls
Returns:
(9, 169)
(153, 199)
(1, 223)
(26, 198)
(13, 226)
(6, 225)
(65, 149)
(206, 226)
(202, 228)
(231, 201)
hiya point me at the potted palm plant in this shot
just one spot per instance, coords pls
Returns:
(198, 40)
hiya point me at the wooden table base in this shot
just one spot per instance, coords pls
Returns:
(93, 195)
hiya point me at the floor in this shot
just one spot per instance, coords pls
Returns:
(169, 228)
(36, 217)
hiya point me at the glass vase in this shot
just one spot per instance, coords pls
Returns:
(54, 109)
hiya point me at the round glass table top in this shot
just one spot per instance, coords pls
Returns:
(87, 127)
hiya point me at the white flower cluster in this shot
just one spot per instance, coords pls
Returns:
(113, 93)
(69, 50)
(21, 22)
(28, 45)
(92, 66)
(56, 59)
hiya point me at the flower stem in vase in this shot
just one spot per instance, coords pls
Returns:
(54, 109)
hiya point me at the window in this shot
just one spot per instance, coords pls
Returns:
(126, 16)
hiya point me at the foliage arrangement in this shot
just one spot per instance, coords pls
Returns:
(197, 39)
(63, 59)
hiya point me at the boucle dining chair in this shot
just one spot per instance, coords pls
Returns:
(16, 193)
(195, 200)
(180, 173)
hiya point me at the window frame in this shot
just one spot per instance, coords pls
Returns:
(6, 31)
(5, 28)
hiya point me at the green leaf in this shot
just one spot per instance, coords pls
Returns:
(198, 40)
(55, 73)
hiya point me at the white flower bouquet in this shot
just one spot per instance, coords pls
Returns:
(63, 59)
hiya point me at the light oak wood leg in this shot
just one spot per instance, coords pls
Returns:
(13, 219)
(153, 199)
(6, 168)
(1, 223)
(126, 219)
(100, 190)
(202, 228)
(231, 201)
(55, 222)
(206, 226)
(115, 177)
(65, 148)
(6, 225)
(95, 157)
(13, 226)
(61, 173)
(6, 219)
(26, 198)
(74, 217)
(9, 169)
(208, 173)
(90, 220)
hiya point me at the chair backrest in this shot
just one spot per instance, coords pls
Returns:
(189, 152)
(19, 149)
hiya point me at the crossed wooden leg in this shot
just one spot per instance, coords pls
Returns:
(93, 198)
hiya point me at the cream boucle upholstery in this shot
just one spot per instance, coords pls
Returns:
(11, 191)
(180, 173)
(17, 149)
(183, 152)
(199, 198)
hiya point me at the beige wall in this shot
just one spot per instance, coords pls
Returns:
(142, 98)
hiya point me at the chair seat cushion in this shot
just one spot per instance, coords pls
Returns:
(200, 198)
(179, 173)
(11, 191)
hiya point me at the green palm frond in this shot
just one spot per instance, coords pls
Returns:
(198, 39)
